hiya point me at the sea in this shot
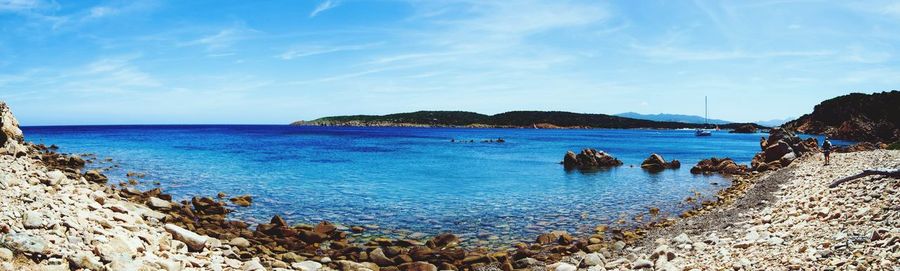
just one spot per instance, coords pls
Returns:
(413, 182)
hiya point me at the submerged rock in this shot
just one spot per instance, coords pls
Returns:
(589, 159)
(242, 201)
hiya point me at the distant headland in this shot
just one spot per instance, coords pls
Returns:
(512, 119)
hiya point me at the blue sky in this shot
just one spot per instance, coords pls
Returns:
(142, 62)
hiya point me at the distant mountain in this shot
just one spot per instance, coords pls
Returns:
(856, 116)
(774, 122)
(520, 119)
(671, 118)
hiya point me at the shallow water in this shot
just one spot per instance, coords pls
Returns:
(412, 179)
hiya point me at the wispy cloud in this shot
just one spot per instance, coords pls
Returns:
(305, 51)
(324, 6)
(24, 5)
(220, 43)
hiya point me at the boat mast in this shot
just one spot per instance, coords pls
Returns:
(705, 112)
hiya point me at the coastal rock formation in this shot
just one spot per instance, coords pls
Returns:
(856, 116)
(781, 148)
(744, 129)
(589, 159)
(656, 163)
(716, 165)
(11, 138)
(862, 146)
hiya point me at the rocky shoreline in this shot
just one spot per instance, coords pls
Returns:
(56, 216)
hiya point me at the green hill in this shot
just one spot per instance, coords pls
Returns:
(524, 119)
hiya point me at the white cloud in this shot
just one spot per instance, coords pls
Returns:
(322, 7)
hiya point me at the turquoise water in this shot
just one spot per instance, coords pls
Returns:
(412, 179)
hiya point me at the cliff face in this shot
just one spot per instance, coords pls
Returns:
(858, 117)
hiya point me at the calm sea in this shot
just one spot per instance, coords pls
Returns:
(411, 180)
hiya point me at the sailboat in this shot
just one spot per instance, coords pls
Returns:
(703, 132)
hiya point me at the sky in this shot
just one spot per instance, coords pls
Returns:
(274, 62)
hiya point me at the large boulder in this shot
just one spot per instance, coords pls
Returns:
(717, 165)
(656, 162)
(781, 148)
(12, 141)
(589, 159)
(194, 241)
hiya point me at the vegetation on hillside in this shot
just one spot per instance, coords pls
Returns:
(525, 119)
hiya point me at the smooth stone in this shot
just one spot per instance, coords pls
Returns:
(194, 241)
(563, 267)
(159, 204)
(307, 266)
(32, 220)
(239, 242)
(642, 263)
(593, 259)
(25, 243)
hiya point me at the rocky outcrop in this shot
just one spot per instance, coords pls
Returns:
(857, 117)
(12, 141)
(717, 165)
(862, 146)
(781, 148)
(744, 129)
(589, 159)
(656, 163)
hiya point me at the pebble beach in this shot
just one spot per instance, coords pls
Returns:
(57, 217)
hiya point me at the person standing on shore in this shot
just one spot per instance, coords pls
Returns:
(826, 149)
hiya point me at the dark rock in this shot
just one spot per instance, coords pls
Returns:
(95, 176)
(862, 146)
(325, 227)
(445, 240)
(277, 221)
(377, 256)
(716, 165)
(656, 163)
(417, 266)
(207, 205)
(777, 150)
(589, 159)
(312, 237)
(242, 201)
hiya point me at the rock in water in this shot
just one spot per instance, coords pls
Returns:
(194, 241)
(242, 201)
(656, 163)
(717, 165)
(589, 159)
(95, 176)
